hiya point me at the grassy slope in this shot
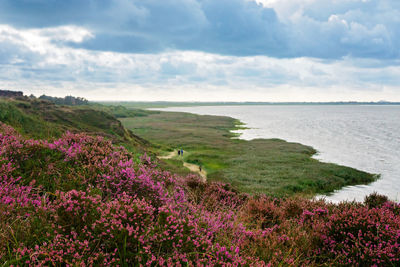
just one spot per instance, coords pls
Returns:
(269, 166)
(43, 120)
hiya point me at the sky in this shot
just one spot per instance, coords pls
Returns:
(202, 50)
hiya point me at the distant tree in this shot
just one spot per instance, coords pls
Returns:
(68, 100)
(11, 94)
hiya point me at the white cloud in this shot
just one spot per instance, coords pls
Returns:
(333, 29)
(64, 34)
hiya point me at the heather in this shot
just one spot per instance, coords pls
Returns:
(80, 200)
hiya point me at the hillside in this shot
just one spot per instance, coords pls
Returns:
(43, 119)
(273, 167)
(80, 201)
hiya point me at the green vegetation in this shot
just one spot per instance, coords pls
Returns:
(122, 111)
(80, 200)
(68, 100)
(42, 119)
(270, 166)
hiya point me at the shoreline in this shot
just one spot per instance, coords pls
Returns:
(241, 126)
(271, 166)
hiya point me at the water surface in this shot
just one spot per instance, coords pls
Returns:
(360, 136)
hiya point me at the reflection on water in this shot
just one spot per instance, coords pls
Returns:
(363, 137)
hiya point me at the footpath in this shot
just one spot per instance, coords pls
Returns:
(192, 167)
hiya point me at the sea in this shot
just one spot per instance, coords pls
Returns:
(365, 137)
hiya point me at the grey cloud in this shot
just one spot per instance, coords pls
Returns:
(237, 27)
(320, 29)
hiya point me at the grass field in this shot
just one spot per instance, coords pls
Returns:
(270, 166)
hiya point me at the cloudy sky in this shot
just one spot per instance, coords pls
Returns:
(202, 50)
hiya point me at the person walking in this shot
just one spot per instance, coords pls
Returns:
(181, 152)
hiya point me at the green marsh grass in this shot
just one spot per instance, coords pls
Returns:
(270, 166)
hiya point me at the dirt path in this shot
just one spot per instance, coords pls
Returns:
(196, 168)
(170, 155)
(192, 167)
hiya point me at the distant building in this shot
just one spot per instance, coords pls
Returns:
(8, 93)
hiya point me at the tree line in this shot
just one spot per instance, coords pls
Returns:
(67, 100)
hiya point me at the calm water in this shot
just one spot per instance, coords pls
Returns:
(363, 137)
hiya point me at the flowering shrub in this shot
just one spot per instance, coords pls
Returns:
(362, 235)
(81, 201)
